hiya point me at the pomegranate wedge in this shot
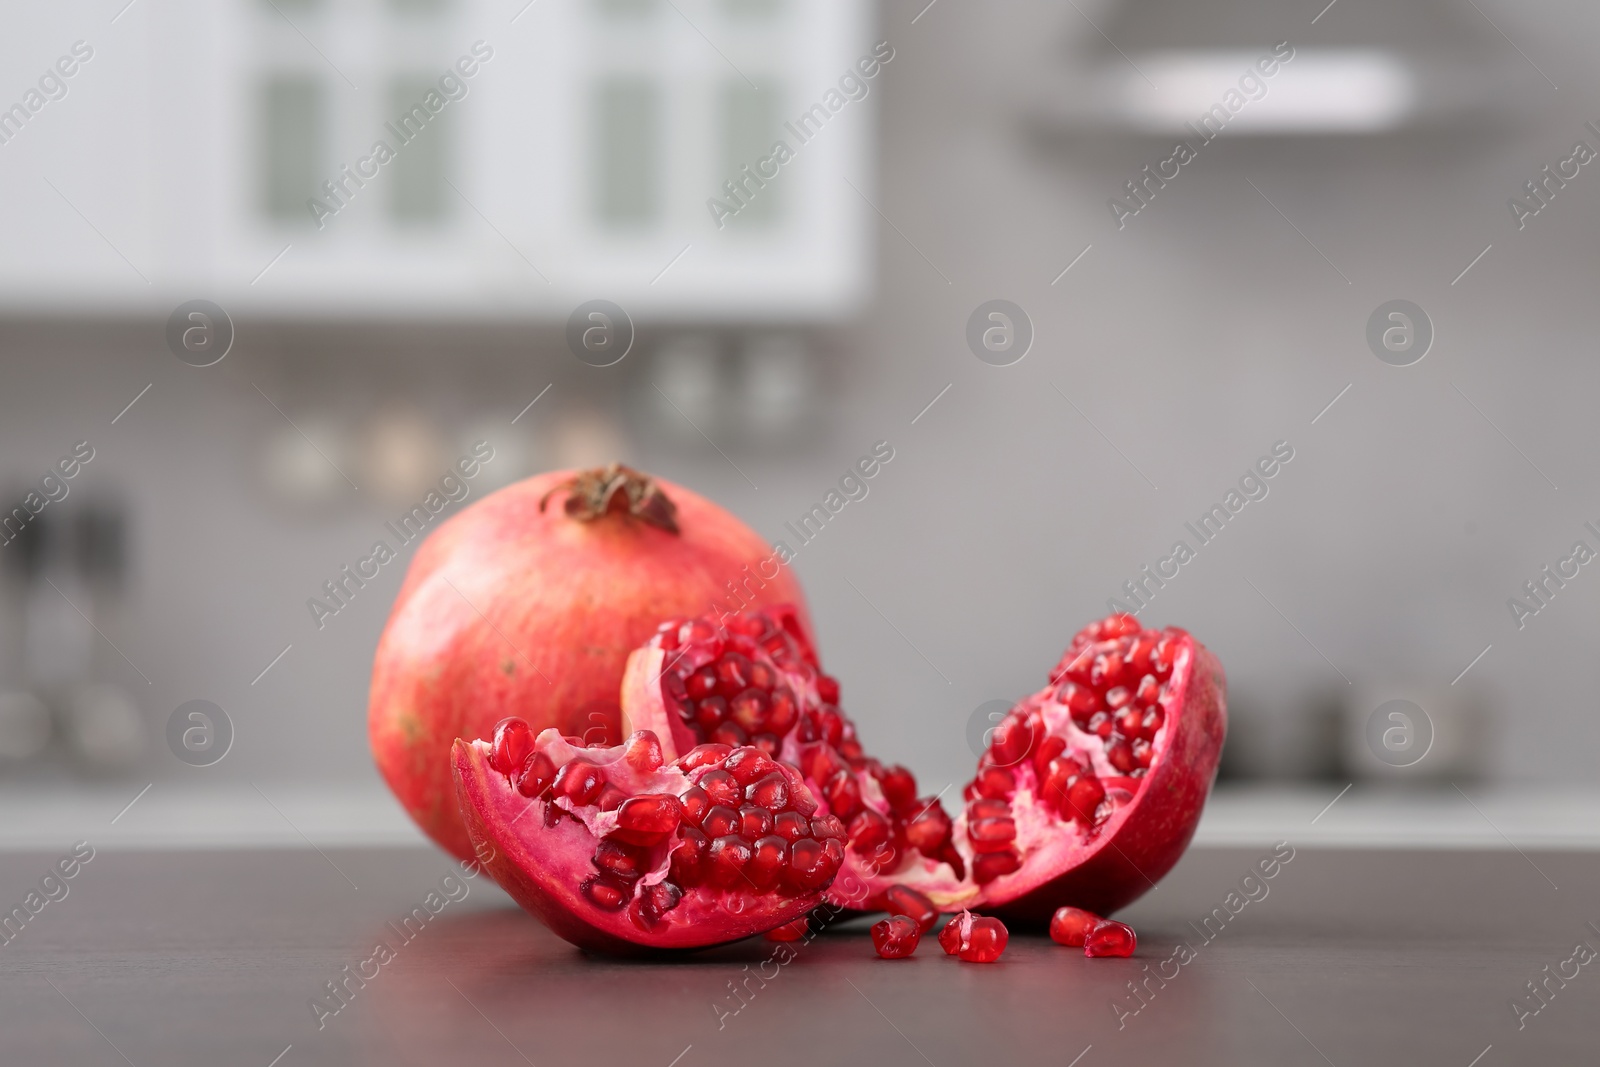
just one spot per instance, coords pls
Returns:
(617, 849)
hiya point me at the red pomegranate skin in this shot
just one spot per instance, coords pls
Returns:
(510, 610)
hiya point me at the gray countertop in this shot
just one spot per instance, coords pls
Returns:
(1345, 957)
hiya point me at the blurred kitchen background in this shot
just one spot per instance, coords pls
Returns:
(1171, 349)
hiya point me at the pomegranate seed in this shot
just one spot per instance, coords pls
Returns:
(1068, 926)
(828, 688)
(983, 808)
(903, 900)
(726, 860)
(688, 857)
(1048, 749)
(896, 937)
(821, 761)
(1106, 671)
(610, 798)
(1127, 721)
(730, 734)
(721, 787)
(648, 817)
(1110, 938)
(513, 742)
(654, 902)
(704, 756)
(748, 765)
(754, 822)
(1140, 651)
(710, 713)
(537, 774)
(992, 835)
(827, 827)
(733, 674)
(1080, 700)
(1118, 697)
(1120, 625)
(791, 826)
(622, 861)
(830, 727)
(762, 675)
(1149, 691)
(749, 709)
(988, 866)
(929, 830)
(1141, 753)
(985, 941)
(579, 781)
(1151, 722)
(1120, 755)
(790, 931)
(696, 802)
(843, 794)
(868, 830)
(950, 936)
(948, 854)
(1100, 725)
(899, 787)
(800, 797)
(702, 683)
(643, 751)
(808, 866)
(767, 859)
(605, 893)
(771, 792)
(782, 711)
(720, 821)
(996, 783)
(1084, 797)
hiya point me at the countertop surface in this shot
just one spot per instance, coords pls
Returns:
(1343, 957)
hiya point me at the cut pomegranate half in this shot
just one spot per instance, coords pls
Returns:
(1091, 788)
(753, 679)
(616, 848)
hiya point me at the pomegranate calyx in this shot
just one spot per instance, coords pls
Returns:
(599, 491)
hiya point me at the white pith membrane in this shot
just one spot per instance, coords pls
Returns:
(1048, 841)
(545, 866)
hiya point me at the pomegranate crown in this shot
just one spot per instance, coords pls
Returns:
(616, 488)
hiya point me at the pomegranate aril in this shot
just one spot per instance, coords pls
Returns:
(1118, 697)
(1141, 753)
(903, 900)
(983, 808)
(1127, 721)
(1110, 938)
(1106, 671)
(730, 734)
(721, 787)
(1100, 725)
(1150, 723)
(754, 822)
(771, 792)
(899, 787)
(782, 712)
(843, 794)
(868, 830)
(801, 798)
(828, 688)
(1120, 755)
(808, 865)
(1119, 625)
(654, 902)
(688, 856)
(1084, 797)
(896, 937)
(622, 861)
(704, 756)
(720, 820)
(696, 802)
(929, 830)
(1080, 701)
(710, 713)
(611, 798)
(1069, 926)
(536, 775)
(604, 892)
(762, 676)
(985, 941)
(992, 835)
(820, 761)
(988, 866)
(702, 683)
(950, 936)
(1139, 653)
(996, 783)
(648, 817)
(579, 781)
(1149, 691)
(733, 674)
(827, 827)
(791, 825)
(726, 860)
(643, 751)
(1048, 749)
(767, 859)
(513, 743)
(749, 709)
(748, 765)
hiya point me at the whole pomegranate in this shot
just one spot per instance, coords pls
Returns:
(528, 603)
